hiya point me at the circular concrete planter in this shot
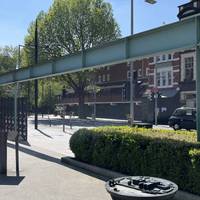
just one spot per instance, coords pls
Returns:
(141, 188)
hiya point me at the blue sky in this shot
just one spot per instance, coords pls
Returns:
(15, 16)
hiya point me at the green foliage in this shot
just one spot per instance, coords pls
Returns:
(70, 26)
(48, 91)
(138, 151)
(8, 60)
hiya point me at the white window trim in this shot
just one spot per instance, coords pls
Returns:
(163, 61)
(164, 69)
(187, 55)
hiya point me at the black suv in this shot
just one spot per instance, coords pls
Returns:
(183, 118)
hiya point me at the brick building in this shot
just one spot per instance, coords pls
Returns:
(172, 73)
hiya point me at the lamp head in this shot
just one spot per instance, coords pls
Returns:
(151, 1)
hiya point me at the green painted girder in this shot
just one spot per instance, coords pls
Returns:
(175, 36)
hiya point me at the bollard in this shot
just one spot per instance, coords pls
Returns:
(49, 121)
(70, 119)
(63, 122)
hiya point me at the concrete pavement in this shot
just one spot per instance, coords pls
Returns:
(42, 175)
(45, 178)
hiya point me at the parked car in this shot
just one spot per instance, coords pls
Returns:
(183, 118)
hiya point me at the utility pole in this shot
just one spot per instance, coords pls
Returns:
(132, 85)
(36, 81)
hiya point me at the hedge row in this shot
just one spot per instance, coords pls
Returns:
(134, 151)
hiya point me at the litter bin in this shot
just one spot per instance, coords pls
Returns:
(141, 188)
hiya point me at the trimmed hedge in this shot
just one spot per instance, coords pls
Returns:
(135, 151)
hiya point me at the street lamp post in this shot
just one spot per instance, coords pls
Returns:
(132, 85)
(36, 81)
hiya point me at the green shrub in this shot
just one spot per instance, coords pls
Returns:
(137, 151)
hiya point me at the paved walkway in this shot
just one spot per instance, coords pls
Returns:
(43, 177)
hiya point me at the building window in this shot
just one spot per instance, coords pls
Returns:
(157, 58)
(163, 57)
(164, 77)
(108, 77)
(104, 77)
(158, 79)
(99, 78)
(139, 72)
(169, 56)
(147, 71)
(189, 68)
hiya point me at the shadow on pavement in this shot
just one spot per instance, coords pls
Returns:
(25, 143)
(78, 122)
(11, 180)
(54, 160)
(44, 133)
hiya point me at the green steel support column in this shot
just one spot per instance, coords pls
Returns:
(198, 75)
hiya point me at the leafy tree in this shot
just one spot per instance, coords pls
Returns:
(8, 60)
(70, 26)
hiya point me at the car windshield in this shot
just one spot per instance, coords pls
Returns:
(184, 112)
(179, 112)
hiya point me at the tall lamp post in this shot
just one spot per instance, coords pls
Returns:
(132, 86)
(36, 81)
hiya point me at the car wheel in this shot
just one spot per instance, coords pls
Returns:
(176, 127)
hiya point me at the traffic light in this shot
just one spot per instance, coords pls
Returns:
(126, 91)
(150, 96)
(135, 76)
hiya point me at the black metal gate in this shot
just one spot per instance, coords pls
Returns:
(7, 121)
(7, 126)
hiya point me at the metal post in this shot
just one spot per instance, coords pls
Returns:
(131, 69)
(70, 120)
(131, 95)
(36, 81)
(3, 152)
(156, 108)
(198, 76)
(132, 17)
(42, 98)
(64, 122)
(156, 98)
(15, 118)
(95, 99)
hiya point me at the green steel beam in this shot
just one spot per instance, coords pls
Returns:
(175, 36)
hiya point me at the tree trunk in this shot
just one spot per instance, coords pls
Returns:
(81, 100)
